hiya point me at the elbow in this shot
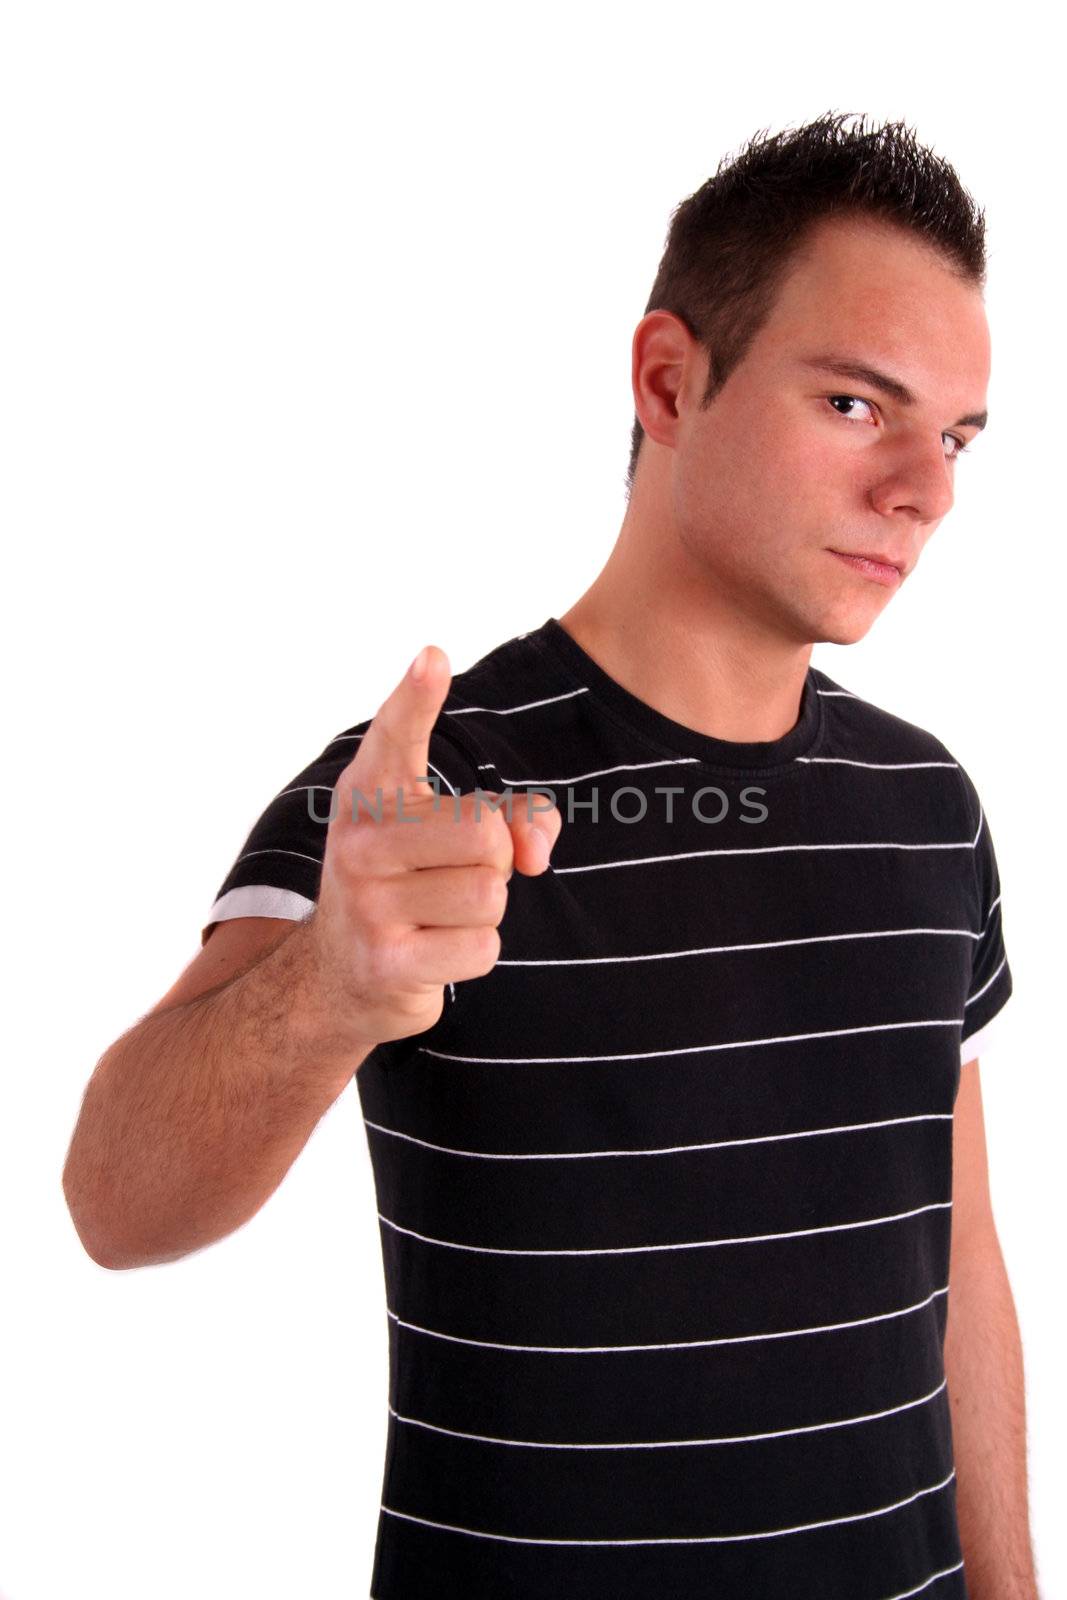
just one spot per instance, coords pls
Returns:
(102, 1257)
(87, 1224)
(101, 1249)
(96, 1248)
(103, 1243)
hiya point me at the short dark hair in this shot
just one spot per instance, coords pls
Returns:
(729, 244)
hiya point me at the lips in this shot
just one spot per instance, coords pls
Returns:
(871, 568)
(875, 555)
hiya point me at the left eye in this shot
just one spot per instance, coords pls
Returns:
(855, 400)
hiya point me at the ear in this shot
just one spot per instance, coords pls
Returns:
(668, 371)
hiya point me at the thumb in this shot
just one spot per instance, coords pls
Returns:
(534, 831)
(395, 750)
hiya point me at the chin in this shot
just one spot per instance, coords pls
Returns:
(842, 636)
(840, 625)
(846, 630)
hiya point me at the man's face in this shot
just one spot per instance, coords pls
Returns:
(792, 462)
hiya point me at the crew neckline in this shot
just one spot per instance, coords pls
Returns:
(723, 754)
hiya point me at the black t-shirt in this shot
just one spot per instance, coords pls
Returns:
(665, 1197)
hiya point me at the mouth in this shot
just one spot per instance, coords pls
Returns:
(877, 567)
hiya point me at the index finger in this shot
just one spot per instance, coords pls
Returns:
(394, 753)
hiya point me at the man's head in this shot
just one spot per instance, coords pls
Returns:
(820, 247)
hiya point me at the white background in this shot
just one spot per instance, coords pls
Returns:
(316, 348)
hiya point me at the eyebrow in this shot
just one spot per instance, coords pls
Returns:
(845, 367)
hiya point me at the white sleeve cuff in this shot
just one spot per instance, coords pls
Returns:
(260, 900)
(977, 1043)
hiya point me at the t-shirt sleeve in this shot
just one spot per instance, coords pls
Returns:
(990, 978)
(278, 869)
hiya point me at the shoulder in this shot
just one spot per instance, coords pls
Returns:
(510, 707)
(854, 721)
(504, 674)
(863, 734)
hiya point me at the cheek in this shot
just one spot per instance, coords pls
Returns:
(754, 483)
(809, 460)
(778, 480)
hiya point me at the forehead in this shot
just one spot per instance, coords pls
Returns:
(883, 294)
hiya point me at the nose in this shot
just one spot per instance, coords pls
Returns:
(920, 483)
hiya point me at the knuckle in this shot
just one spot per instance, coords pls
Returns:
(385, 959)
(495, 895)
(487, 949)
(481, 887)
(377, 964)
(470, 816)
(413, 1006)
(371, 897)
(486, 811)
(352, 846)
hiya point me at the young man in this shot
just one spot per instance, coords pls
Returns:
(677, 1135)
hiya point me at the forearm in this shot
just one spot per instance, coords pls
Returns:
(192, 1118)
(984, 1369)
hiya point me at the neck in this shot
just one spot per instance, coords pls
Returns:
(698, 654)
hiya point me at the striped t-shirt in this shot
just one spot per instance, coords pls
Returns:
(665, 1197)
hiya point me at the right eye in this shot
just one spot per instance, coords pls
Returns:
(849, 399)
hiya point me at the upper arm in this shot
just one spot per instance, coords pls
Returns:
(972, 1211)
(231, 948)
(273, 882)
(277, 872)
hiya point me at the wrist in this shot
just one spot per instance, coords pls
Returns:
(326, 1037)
